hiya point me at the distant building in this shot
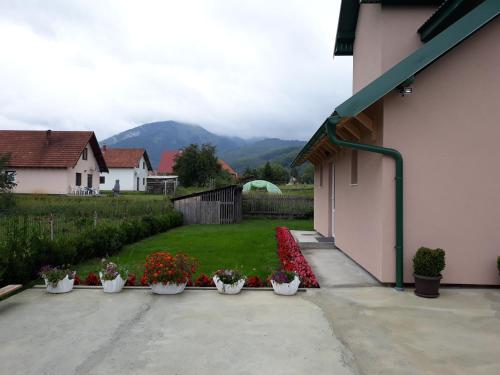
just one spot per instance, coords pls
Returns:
(167, 163)
(131, 166)
(53, 162)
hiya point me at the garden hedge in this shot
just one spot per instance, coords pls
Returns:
(22, 254)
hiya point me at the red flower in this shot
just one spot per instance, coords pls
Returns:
(92, 279)
(291, 258)
(204, 281)
(130, 280)
(254, 282)
(77, 281)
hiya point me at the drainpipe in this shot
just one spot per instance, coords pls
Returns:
(331, 125)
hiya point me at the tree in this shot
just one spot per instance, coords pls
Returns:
(198, 166)
(267, 172)
(7, 183)
(249, 173)
(308, 174)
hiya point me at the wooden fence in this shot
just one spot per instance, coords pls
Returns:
(276, 205)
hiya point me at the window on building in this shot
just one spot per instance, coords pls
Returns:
(78, 181)
(354, 167)
(102, 179)
(143, 165)
(11, 175)
(143, 181)
(85, 154)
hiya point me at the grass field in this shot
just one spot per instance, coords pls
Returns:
(249, 246)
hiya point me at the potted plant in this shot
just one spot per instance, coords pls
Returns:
(427, 267)
(113, 278)
(169, 274)
(285, 283)
(229, 281)
(58, 279)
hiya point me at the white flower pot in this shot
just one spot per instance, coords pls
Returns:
(168, 288)
(228, 288)
(63, 286)
(286, 289)
(112, 286)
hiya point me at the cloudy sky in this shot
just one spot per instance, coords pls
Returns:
(247, 68)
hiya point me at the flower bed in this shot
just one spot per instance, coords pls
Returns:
(291, 258)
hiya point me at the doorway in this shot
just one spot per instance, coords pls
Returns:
(89, 180)
(137, 183)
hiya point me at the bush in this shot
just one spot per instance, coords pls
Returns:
(429, 262)
(22, 253)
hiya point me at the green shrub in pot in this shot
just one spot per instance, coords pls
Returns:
(427, 267)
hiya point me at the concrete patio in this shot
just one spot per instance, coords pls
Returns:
(349, 326)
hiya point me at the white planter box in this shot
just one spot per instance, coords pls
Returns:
(286, 289)
(168, 288)
(112, 286)
(63, 286)
(228, 288)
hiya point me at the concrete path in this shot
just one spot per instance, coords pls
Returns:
(349, 326)
(197, 332)
(334, 269)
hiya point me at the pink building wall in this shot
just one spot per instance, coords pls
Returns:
(384, 36)
(447, 131)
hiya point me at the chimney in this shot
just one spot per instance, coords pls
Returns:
(48, 133)
(104, 148)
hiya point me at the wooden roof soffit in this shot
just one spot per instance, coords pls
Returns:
(367, 123)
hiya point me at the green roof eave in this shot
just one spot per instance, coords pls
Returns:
(411, 66)
(448, 13)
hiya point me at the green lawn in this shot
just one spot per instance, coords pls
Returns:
(250, 246)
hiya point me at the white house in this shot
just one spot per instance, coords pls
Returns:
(130, 166)
(53, 162)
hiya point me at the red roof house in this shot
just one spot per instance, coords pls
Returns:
(52, 162)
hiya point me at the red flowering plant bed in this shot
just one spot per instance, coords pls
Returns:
(162, 267)
(291, 258)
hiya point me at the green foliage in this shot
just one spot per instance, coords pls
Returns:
(7, 184)
(22, 253)
(308, 174)
(429, 262)
(198, 165)
(274, 173)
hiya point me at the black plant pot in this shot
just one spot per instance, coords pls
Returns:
(426, 286)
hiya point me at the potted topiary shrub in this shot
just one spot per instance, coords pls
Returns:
(229, 281)
(427, 267)
(169, 274)
(58, 279)
(285, 283)
(113, 278)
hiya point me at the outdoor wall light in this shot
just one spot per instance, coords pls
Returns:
(405, 90)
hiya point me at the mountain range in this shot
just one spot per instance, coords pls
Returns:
(239, 153)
